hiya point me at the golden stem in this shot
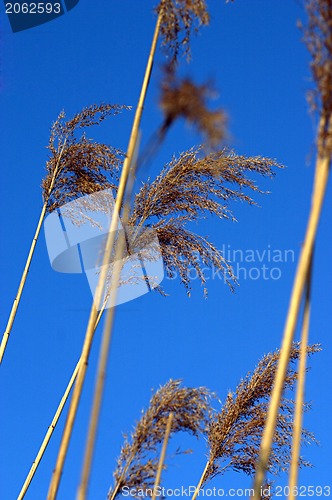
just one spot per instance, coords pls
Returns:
(24, 276)
(200, 482)
(299, 398)
(162, 455)
(53, 424)
(320, 184)
(55, 481)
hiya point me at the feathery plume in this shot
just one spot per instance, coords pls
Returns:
(138, 460)
(235, 432)
(85, 166)
(183, 98)
(180, 18)
(188, 188)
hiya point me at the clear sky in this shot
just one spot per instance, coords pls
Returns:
(252, 51)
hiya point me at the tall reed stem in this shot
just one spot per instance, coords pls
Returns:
(48, 435)
(162, 455)
(299, 398)
(55, 481)
(53, 424)
(24, 276)
(319, 189)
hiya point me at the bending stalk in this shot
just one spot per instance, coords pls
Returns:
(17, 299)
(55, 481)
(320, 184)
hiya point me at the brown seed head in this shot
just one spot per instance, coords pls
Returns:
(180, 18)
(235, 433)
(138, 461)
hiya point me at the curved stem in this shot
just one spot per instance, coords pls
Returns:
(162, 455)
(53, 424)
(200, 482)
(24, 276)
(299, 398)
(55, 481)
(320, 184)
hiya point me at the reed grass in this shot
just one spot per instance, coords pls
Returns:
(234, 433)
(189, 188)
(55, 481)
(76, 166)
(318, 37)
(299, 398)
(185, 12)
(180, 19)
(183, 98)
(137, 464)
(53, 423)
(162, 455)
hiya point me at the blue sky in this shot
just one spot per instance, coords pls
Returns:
(253, 53)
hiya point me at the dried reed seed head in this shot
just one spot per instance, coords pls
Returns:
(235, 433)
(183, 98)
(88, 117)
(318, 38)
(180, 18)
(137, 464)
(79, 166)
(187, 189)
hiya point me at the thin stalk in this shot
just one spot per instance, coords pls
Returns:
(319, 189)
(55, 481)
(24, 276)
(299, 398)
(48, 435)
(200, 482)
(124, 472)
(162, 455)
(102, 363)
(121, 246)
(53, 424)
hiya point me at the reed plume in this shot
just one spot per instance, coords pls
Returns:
(235, 432)
(85, 166)
(187, 189)
(182, 98)
(138, 461)
(181, 18)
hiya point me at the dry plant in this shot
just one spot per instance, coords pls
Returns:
(182, 98)
(76, 167)
(179, 19)
(128, 171)
(138, 461)
(162, 457)
(53, 424)
(85, 166)
(235, 432)
(318, 37)
(185, 14)
(300, 389)
(188, 188)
